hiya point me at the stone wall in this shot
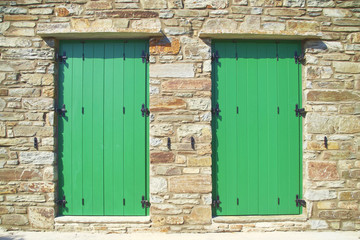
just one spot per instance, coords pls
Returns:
(180, 102)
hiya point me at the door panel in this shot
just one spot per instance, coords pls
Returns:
(97, 165)
(252, 82)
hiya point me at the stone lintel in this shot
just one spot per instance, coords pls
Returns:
(281, 35)
(103, 219)
(101, 35)
(251, 219)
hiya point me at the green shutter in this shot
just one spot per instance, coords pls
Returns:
(102, 148)
(256, 137)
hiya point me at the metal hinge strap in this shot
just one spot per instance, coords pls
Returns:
(300, 202)
(144, 203)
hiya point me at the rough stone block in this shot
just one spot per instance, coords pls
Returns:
(175, 70)
(199, 215)
(305, 26)
(158, 185)
(164, 46)
(162, 157)
(319, 195)
(154, 4)
(321, 3)
(98, 5)
(176, 85)
(41, 217)
(199, 161)
(285, 12)
(14, 220)
(347, 67)
(318, 224)
(26, 198)
(166, 104)
(161, 130)
(41, 11)
(37, 158)
(201, 4)
(190, 184)
(323, 171)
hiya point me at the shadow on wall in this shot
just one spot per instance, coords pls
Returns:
(12, 237)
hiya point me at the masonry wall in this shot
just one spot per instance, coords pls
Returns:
(180, 104)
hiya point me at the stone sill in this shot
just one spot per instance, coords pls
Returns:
(271, 35)
(251, 219)
(101, 35)
(104, 219)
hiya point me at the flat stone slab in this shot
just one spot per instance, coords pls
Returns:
(250, 219)
(103, 219)
(161, 236)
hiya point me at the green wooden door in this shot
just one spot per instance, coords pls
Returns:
(256, 135)
(103, 135)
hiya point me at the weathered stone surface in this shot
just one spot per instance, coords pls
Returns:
(199, 161)
(221, 25)
(294, 3)
(177, 70)
(176, 85)
(20, 18)
(318, 195)
(26, 198)
(14, 42)
(321, 3)
(146, 24)
(318, 224)
(175, 30)
(15, 10)
(164, 46)
(240, 2)
(128, 14)
(38, 104)
(203, 104)
(158, 4)
(39, 187)
(41, 11)
(347, 67)
(250, 23)
(191, 13)
(36, 157)
(273, 26)
(24, 92)
(346, 22)
(98, 5)
(41, 217)
(201, 4)
(14, 220)
(162, 157)
(329, 12)
(349, 124)
(303, 26)
(190, 184)
(174, 220)
(332, 96)
(201, 131)
(158, 185)
(29, 131)
(199, 215)
(16, 32)
(161, 130)
(46, 28)
(28, 2)
(285, 12)
(323, 171)
(166, 104)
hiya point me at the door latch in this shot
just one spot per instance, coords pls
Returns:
(216, 203)
(144, 203)
(62, 202)
(144, 111)
(299, 111)
(300, 202)
(61, 111)
(215, 57)
(216, 110)
(299, 58)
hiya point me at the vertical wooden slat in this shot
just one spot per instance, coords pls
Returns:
(65, 128)
(98, 128)
(88, 123)
(77, 128)
(109, 134)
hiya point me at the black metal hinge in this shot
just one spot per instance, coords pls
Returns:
(216, 203)
(145, 57)
(61, 202)
(299, 58)
(300, 202)
(61, 58)
(144, 203)
(215, 56)
(144, 111)
(216, 110)
(61, 111)
(299, 111)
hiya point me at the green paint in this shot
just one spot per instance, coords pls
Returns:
(256, 150)
(103, 154)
